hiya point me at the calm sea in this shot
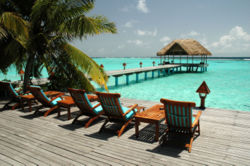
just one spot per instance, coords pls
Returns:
(228, 80)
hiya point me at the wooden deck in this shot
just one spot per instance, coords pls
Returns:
(36, 140)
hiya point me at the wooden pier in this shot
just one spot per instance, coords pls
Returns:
(36, 140)
(161, 70)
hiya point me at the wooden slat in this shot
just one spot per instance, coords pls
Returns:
(224, 140)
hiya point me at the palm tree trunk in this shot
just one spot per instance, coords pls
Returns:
(28, 70)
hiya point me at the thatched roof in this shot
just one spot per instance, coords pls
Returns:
(184, 47)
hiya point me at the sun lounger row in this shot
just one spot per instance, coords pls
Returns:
(178, 115)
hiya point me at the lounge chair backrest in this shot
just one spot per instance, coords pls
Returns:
(111, 104)
(81, 99)
(9, 86)
(39, 95)
(178, 113)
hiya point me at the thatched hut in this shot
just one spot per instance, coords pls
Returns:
(183, 47)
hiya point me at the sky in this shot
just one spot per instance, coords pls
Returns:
(146, 26)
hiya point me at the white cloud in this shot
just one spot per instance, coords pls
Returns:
(165, 39)
(136, 42)
(146, 33)
(190, 34)
(236, 33)
(237, 40)
(128, 24)
(141, 6)
(224, 41)
(239, 33)
(193, 33)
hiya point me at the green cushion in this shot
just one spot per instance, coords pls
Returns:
(54, 102)
(14, 91)
(98, 109)
(130, 114)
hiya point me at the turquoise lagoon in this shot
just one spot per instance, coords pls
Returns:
(228, 80)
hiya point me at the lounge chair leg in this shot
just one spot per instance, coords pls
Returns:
(30, 107)
(6, 106)
(91, 120)
(50, 110)
(74, 121)
(190, 144)
(14, 106)
(199, 132)
(106, 121)
(37, 110)
(123, 127)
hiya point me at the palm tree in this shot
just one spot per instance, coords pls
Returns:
(37, 33)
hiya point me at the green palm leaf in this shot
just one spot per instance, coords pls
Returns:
(83, 26)
(3, 33)
(16, 26)
(86, 65)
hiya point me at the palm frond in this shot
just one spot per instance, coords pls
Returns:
(54, 13)
(16, 26)
(83, 26)
(3, 33)
(86, 65)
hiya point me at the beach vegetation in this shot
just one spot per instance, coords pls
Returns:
(37, 34)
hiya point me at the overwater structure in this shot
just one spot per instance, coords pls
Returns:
(187, 53)
(181, 55)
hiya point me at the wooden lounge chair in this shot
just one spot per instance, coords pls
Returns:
(180, 119)
(81, 100)
(40, 96)
(15, 96)
(114, 111)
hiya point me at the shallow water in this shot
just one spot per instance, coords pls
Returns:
(228, 80)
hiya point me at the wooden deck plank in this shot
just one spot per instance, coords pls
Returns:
(19, 156)
(4, 163)
(9, 160)
(224, 140)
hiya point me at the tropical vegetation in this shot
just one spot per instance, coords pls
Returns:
(37, 34)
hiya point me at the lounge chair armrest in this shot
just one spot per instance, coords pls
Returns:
(26, 93)
(59, 95)
(197, 117)
(97, 105)
(130, 109)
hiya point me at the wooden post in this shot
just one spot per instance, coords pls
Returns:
(127, 79)
(116, 81)
(159, 73)
(146, 75)
(137, 77)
